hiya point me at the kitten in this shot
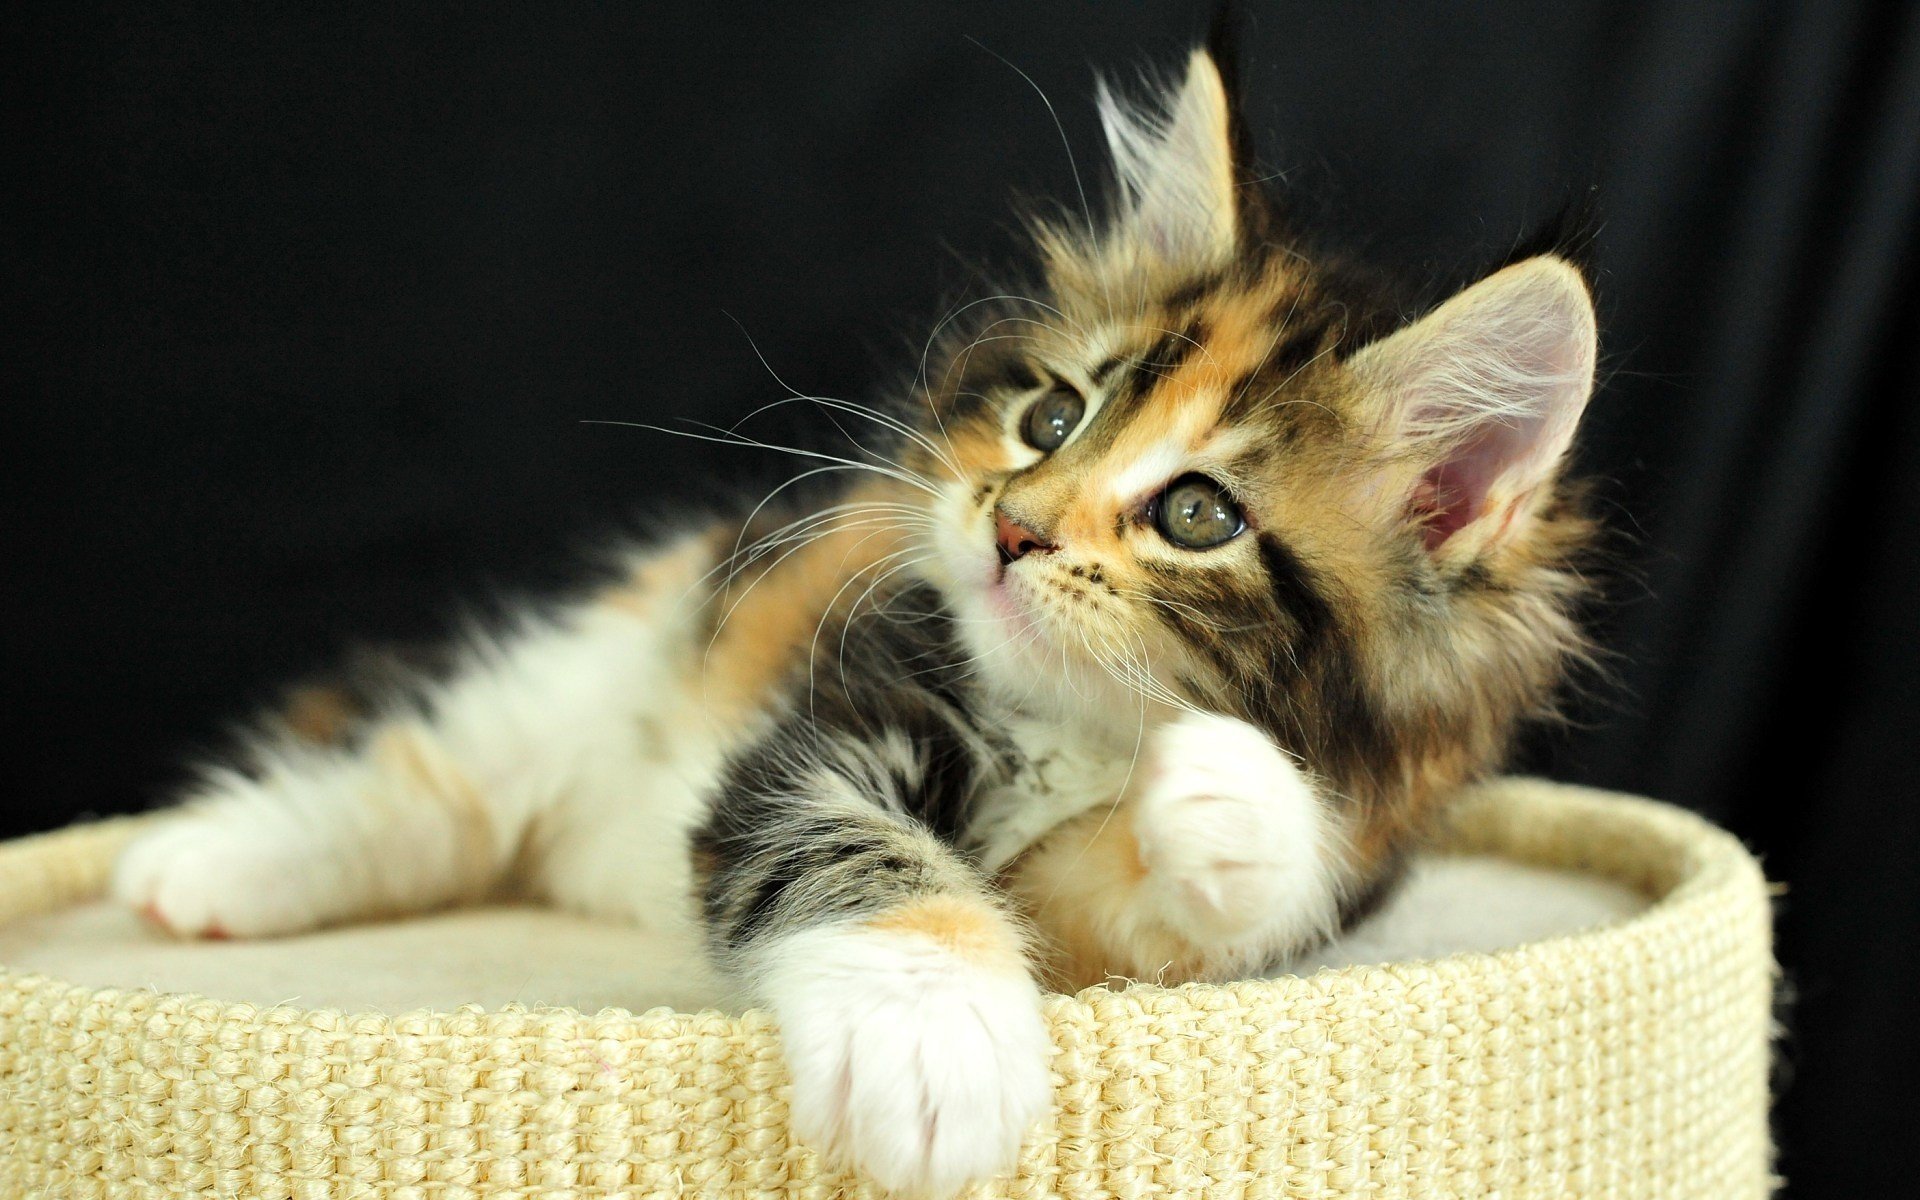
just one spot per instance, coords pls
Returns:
(1176, 605)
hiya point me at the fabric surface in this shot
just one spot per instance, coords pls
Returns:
(1629, 1060)
(537, 958)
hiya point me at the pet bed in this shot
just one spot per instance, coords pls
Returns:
(1623, 1060)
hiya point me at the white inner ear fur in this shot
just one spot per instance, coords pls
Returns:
(1488, 389)
(1174, 163)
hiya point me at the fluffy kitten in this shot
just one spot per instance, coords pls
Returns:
(1175, 604)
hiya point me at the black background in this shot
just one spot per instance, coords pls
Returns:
(309, 311)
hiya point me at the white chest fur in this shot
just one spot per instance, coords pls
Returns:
(1065, 770)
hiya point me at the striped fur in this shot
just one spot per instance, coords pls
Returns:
(888, 771)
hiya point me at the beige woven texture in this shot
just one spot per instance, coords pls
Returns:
(1628, 1061)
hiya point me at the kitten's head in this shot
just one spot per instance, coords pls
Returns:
(1205, 468)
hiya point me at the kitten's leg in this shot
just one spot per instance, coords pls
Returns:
(909, 1017)
(1221, 859)
(318, 837)
(428, 806)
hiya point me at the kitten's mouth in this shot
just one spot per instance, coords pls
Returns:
(1000, 596)
(1008, 598)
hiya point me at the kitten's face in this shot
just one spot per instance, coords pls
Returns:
(1194, 472)
(1134, 499)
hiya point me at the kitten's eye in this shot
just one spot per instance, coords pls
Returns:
(1052, 417)
(1195, 513)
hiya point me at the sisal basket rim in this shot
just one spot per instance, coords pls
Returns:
(1622, 1060)
(1702, 860)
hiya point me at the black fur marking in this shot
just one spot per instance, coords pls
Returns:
(1157, 362)
(1296, 346)
(964, 405)
(766, 898)
(1359, 305)
(1353, 735)
(979, 377)
(821, 848)
(1475, 576)
(1296, 591)
(780, 816)
(949, 776)
(1293, 348)
(1192, 291)
(1213, 613)
(1020, 376)
(1356, 907)
(1166, 354)
(1195, 631)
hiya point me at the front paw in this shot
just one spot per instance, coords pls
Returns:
(236, 868)
(922, 1064)
(1238, 849)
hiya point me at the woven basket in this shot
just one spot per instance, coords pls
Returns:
(1628, 1061)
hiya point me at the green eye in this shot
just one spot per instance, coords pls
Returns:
(1196, 513)
(1052, 417)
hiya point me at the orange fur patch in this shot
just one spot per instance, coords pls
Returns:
(663, 578)
(768, 618)
(408, 755)
(968, 927)
(978, 449)
(1067, 885)
(321, 715)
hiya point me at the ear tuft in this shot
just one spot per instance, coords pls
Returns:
(1569, 234)
(1485, 392)
(1174, 162)
(1225, 34)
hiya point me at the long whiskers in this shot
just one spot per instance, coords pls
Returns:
(1066, 144)
(810, 530)
(922, 379)
(725, 437)
(828, 610)
(1194, 614)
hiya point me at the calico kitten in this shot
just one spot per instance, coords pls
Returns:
(1175, 604)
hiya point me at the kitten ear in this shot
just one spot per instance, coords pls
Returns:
(1486, 391)
(1174, 162)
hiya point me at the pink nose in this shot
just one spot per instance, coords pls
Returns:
(1016, 540)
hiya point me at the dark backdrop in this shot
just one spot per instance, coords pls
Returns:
(307, 312)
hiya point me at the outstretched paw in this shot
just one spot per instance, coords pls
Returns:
(226, 870)
(920, 1062)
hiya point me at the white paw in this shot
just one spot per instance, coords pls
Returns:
(919, 1068)
(1238, 847)
(239, 868)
